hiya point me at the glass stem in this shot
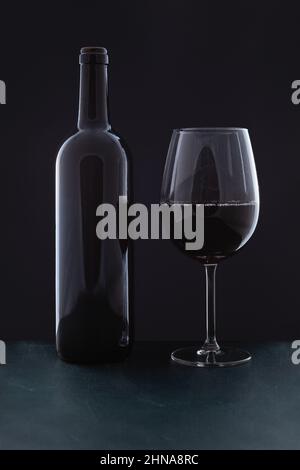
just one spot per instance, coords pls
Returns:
(210, 344)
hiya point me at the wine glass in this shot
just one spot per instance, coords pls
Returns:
(213, 167)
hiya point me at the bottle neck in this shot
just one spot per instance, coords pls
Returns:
(93, 97)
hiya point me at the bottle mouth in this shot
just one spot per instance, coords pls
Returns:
(93, 55)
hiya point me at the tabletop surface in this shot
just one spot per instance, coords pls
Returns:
(148, 402)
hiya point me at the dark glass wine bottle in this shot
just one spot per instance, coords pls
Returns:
(93, 300)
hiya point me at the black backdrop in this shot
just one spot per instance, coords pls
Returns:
(173, 64)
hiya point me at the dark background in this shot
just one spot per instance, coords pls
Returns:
(173, 64)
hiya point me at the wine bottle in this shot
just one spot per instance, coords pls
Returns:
(93, 294)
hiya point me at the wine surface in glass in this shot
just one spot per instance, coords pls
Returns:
(227, 227)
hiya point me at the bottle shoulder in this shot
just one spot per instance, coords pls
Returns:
(92, 136)
(93, 142)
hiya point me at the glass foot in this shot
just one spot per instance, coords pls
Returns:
(197, 357)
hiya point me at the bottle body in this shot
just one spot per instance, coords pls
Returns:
(92, 275)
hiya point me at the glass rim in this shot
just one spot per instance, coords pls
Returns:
(210, 129)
